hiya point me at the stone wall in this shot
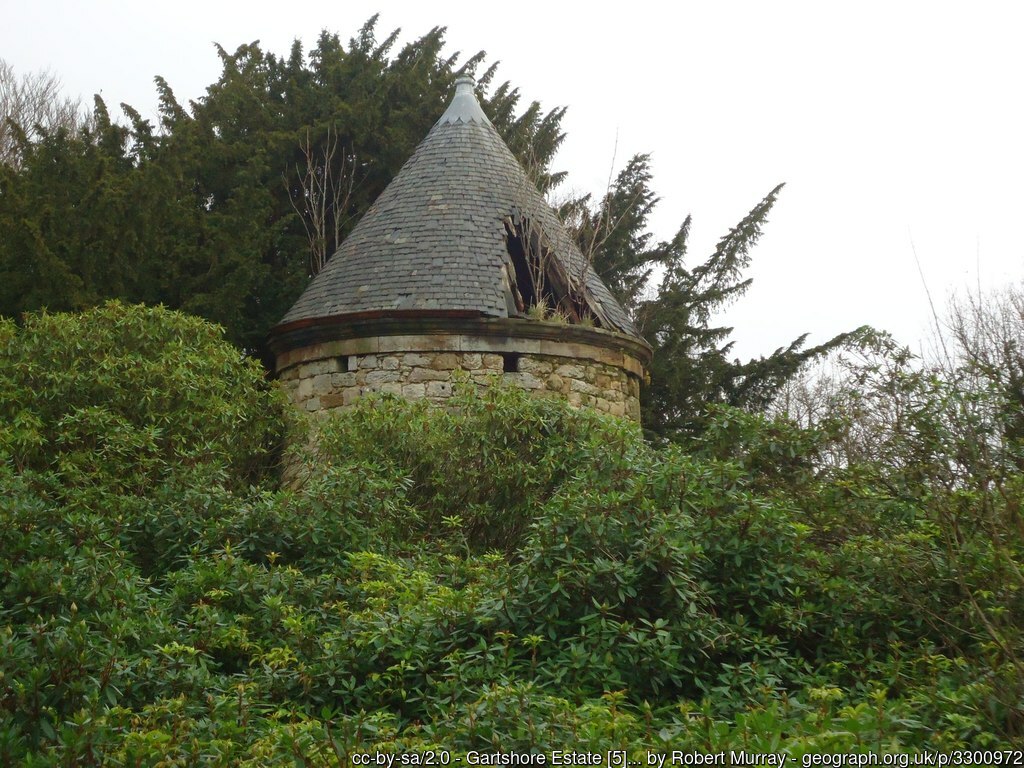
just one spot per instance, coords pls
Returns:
(330, 382)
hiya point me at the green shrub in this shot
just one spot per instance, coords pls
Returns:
(481, 467)
(125, 396)
(505, 574)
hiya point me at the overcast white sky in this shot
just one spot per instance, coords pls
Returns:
(895, 125)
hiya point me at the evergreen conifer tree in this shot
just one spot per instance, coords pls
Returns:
(691, 368)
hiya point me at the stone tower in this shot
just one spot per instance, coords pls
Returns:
(460, 265)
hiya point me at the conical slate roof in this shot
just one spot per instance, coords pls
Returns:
(435, 240)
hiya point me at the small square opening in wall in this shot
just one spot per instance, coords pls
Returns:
(510, 362)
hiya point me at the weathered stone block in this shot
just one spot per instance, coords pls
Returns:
(534, 365)
(438, 389)
(525, 380)
(389, 363)
(333, 400)
(317, 367)
(578, 385)
(342, 380)
(414, 391)
(472, 361)
(498, 344)
(420, 343)
(570, 371)
(446, 361)
(322, 384)
(376, 378)
(418, 375)
(493, 362)
(392, 388)
(414, 359)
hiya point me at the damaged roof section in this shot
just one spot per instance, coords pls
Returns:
(461, 228)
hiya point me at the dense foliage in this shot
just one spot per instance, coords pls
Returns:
(120, 395)
(507, 574)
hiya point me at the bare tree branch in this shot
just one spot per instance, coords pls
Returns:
(30, 106)
(326, 181)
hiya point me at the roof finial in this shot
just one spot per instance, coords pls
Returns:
(464, 107)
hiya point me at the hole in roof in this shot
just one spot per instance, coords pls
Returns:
(542, 288)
